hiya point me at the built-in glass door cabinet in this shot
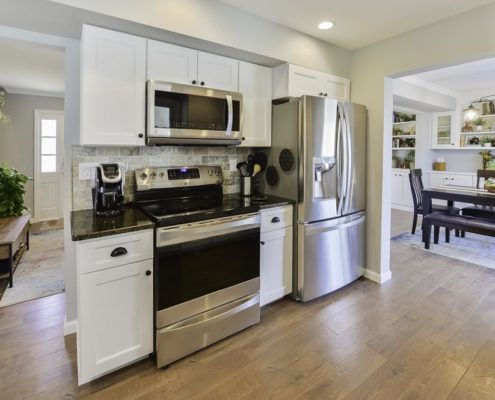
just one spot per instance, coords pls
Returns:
(113, 72)
(171, 63)
(255, 84)
(293, 81)
(443, 135)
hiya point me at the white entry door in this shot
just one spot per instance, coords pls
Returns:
(48, 164)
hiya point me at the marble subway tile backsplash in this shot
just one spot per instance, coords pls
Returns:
(139, 157)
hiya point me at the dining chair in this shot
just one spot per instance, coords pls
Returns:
(476, 210)
(416, 182)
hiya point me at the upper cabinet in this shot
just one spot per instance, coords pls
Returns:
(255, 84)
(293, 81)
(443, 135)
(171, 63)
(113, 75)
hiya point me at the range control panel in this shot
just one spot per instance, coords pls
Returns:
(170, 177)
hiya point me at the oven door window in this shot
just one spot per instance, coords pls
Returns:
(186, 111)
(191, 270)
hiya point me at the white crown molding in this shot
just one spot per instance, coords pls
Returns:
(33, 92)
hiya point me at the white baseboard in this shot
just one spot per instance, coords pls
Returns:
(403, 208)
(70, 327)
(378, 278)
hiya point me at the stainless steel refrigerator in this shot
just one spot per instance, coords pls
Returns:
(318, 159)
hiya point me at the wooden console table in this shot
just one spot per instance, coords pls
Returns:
(14, 234)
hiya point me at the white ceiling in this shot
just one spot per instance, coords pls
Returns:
(463, 78)
(357, 22)
(31, 68)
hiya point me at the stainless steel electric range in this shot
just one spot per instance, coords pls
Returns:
(207, 263)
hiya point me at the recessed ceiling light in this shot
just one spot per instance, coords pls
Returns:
(325, 25)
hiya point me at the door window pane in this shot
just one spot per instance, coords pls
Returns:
(48, 146)
(49, 127)
(48, 163)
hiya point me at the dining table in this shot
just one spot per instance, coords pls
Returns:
(456, 194)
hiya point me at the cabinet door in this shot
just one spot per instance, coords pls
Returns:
(218, 72)
(336, 87)
(442, 132)
(255, 84)
(115, 318)
(275, 264)
(113, 75)
(304, 81)
(170, 63)
(407, 199)
(396, 188)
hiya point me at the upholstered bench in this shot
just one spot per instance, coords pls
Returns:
(458, 222)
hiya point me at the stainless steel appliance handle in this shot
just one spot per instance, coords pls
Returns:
(230, 111)
(349, 168)
(202, 230)
(339, 164)
(343, 161)
(216, 314)
(332, 225)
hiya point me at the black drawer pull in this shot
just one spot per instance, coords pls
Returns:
(262, 243)
(148, 272)
(275, 220)
(119, 251)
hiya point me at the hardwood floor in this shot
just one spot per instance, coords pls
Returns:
(426, 334)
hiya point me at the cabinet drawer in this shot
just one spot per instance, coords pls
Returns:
(96, 254)
(276, 218)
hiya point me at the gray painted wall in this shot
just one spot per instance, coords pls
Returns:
(17, 134)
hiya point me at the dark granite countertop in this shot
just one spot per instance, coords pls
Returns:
(84, 225)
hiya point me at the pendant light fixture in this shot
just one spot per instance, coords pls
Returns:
(470, 113)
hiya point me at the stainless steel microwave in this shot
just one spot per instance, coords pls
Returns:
(183, 114)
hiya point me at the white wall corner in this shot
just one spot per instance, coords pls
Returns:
(70, 327)
(378, 278)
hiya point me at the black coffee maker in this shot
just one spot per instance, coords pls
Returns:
(108, 191)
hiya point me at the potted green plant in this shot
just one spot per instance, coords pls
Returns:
(409, 158)
(486, 157)
(478, 123)
(486, 141)
(11, 191)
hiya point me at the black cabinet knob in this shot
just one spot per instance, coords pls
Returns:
(275, 220)
(243, 138)
(320, 94)
(325, 94)
(202, 83)
(148, 272)
(194, 82)
(262, 243)
(140, 135)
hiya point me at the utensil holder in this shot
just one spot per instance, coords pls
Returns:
(246, 186)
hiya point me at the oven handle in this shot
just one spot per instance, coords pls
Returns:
(203, 230)
(215, 315)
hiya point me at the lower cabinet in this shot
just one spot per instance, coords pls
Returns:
(115, 319)
(276, 254)
(401, 195)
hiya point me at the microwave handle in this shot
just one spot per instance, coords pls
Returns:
(230, 113)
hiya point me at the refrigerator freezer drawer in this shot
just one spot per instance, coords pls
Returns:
(331, 254)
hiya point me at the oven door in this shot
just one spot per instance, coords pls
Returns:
(204, 265)
(192, 115)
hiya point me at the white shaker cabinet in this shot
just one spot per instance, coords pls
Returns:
(294, 81)
(177, 64)
(171, 63)
(276, 254)
(113, 75)
(401, 196)
(115, 302)
(218, 72)
(255, 84)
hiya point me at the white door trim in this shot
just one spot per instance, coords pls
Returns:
(38, 115)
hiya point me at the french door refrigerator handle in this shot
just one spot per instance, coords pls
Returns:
(230, 111)
(349, 171)
(332, 225)
(342, 177)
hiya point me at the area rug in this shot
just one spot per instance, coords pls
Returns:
(475, 249)
(40, 272)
